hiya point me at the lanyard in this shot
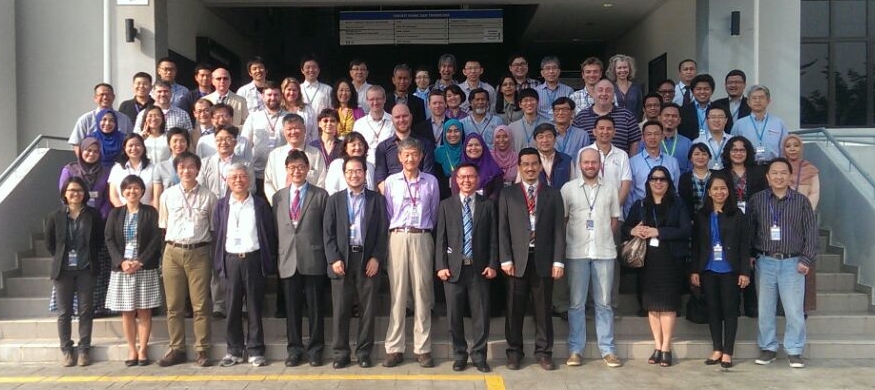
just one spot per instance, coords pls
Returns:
(700, 112)
(594, 199)
(715, 229)
(324, 151)
(188, 206)
(410, 192)
(716, 153)
(528, 134)
(240, 206)
(646, 156)
(378, 131)
(561, 146)
(310, 97)
(760, 132)
(741, 186)
(270, 125)
(776, 214)
(354, 209)
(674, 146)
(485, 124)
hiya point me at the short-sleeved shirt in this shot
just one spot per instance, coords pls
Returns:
(767, 133)
(584, 203)
(186, 215)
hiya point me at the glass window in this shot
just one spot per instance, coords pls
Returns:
(814, 84)
(815, 19)
(848, 19)
(850, 83)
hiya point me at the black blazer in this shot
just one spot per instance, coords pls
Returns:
(756, 180)
(743, 110)
(734, 236)
(336, 230)
(416, 105)
(675, 232)
(689, 126)
(449, 242)
(149, 237)
(513, 229)
(685, 191)
(56, 237)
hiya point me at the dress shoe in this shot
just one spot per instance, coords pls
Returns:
(316, 361)
(340, 363)
(202, 359)
(513, 362)
(84, 358)
(293, 361)
(130, 362)
(546, 363)
(725, 364)
(715, 361)
(143, 362)
(425, 360)
(171, 358)
(69, 359)
(393, 359)
(482, 367)
(459, 365)
(365, 362)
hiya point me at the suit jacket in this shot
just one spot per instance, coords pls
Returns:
(675, 232)
(301, 249)
(149, 237)
(449, 243)
(237, 102)
(264, 224)
(416, 105)
(335, 233)
(756, 180)
(513, 229)
(734, 237)
(56, 237)
(743, 110)
(561, 171)
(689, 126)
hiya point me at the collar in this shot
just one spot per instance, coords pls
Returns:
(403, 178)
(350, 194)
(293, 187)
(472, 196)
(307, 84)
(598, 181)
(192, 190)
(233, 201)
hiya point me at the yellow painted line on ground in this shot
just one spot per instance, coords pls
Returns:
(493, 382)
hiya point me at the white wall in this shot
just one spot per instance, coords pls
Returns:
(8, 99)
(670, 28)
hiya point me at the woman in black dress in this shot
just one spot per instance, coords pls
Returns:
(720, 264)
(661, 218)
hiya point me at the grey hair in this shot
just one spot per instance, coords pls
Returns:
(760, 87)
(612, 63)
(237, 166)
(410, 143)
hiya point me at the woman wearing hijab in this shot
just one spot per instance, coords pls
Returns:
(88, 166)
(805, 179)
(449, 154)
(491, 176)
(504, 154)
(107, 133)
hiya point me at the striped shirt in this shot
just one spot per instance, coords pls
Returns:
(625, 125)
(793, 215)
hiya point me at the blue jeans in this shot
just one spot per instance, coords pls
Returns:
(779, 277)
(580, 272)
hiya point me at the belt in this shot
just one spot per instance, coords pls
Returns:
(243, 255)
(356, 248)
(779, 256)
(187, 246)
(409, 230)
(467, 260)
(531, 249)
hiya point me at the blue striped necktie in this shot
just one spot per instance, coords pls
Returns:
(467, 228)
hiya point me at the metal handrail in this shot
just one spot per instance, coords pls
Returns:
(832, 139)
(25, 153)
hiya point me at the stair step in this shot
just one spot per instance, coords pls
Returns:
(36, 266)
(18, 308)
(842, 302)
(829, 262)
(835, 281)
(39, 248)
(28, 287)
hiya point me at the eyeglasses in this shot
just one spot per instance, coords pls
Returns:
(716, 116)
(660, 179)
(736, 150)
(354, 171)
(562, 109)
(664, 91)
(76, 190)
(466, 177)
(299, 167)
(519, 64)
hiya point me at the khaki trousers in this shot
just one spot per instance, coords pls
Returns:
(187, 273)
(411, 269)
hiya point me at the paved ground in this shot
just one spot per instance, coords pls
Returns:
(635, 375)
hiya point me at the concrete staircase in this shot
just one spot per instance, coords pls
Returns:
(842, 327)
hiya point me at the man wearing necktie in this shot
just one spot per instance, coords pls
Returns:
(466, 258)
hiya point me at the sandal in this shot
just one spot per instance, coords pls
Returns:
(654, 359)
(665, 359)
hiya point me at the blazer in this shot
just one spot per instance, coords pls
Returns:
(149, 237)
(689, 126)
(267, 234)
(335, 235)
(756, 180)
(743, 110)
(734, 237)
(449, 242)
(56, 237)
(561, 171)
(675, 233)
(416, 105)
(513, 229)
(685, 191)
(301, 249)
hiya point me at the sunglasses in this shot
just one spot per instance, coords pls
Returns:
(658, 179)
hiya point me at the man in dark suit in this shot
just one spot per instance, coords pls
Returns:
(531, 242)
(555, 165)
(736, 103)
(244, 254)
(401, 79)
(355, 236)
(466, 258)
(693, 115)
(298, 209)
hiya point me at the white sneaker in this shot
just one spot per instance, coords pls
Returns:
(230, 360)
(258, 361)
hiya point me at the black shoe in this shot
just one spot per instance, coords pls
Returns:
(513, 362)
(482, 367)
(365, 362)
(546, 363)
(654, 359)
(340, 363)
(130, 362)
(665, 359)
(561, 314)
(316, 361)
(293, 361)
(726, 364)
(143, 363)
(459, 365)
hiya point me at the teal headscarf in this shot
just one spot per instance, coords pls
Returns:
(449, 156)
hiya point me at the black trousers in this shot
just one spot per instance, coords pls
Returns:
(354, 288)
(749, 294)
(305, 291)
(519, 290)
(81, 283)
(244, 282)
(471, 289)
(721, 295)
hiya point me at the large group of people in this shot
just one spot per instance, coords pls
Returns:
(493, 197)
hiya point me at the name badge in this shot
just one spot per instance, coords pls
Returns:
(717, 165)
(590, 224)
(238, 242)
(93, 194)
(130, 252)
(654, 242)
(72, 258)
(414, 216)
(760, 153)
(701, 132)
(775, 232)
(742, 205)
(531, 222)
(718, 252)
(186, 230)
(353, 233)
(271, 141)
